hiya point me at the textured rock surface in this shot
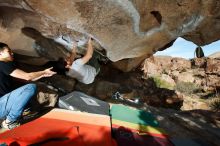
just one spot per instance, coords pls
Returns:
(202, 125)
(204, 72)
(125, 29)
(213, 66)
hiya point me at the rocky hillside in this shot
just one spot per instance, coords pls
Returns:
(215, 55)
(198, 78)
(204, 72)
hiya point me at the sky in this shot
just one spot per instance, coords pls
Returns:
(185, 49)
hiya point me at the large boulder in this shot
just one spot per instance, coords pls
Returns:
(124, 29)
(151, 68)
(186, 77)
(180, 64)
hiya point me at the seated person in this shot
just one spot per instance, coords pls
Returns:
(13, 102)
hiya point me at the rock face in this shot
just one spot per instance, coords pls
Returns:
(123, 28)
(200, 125)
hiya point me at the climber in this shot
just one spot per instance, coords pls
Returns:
(83, 69)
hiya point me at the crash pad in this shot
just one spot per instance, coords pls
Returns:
(135, 116)
(125, 137)
(62, 127)
(133, 127)
(78, 101)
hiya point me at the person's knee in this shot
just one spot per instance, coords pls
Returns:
(32, 87)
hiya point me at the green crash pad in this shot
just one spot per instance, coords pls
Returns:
(127, 114)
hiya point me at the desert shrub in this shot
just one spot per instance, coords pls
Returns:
(183, 70)
(165, 71)
(215, 103)
(161, 83)
(187, 87)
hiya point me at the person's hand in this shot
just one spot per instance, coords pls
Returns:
(48, 72)
(90, 40)
(67, 66)
(73, 51)
(74, 44)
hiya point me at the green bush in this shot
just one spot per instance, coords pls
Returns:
(161, 83)
(187, 87)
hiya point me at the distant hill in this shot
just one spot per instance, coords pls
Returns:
(215, 55)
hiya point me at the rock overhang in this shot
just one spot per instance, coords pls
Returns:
(123, 28)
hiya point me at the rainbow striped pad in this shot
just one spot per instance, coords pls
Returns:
(138, 121)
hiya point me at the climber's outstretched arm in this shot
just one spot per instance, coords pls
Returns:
(89, 52)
